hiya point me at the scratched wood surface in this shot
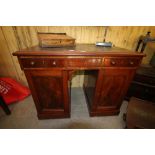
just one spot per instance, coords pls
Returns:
(13, 38)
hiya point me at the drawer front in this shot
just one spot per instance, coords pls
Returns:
(121, 62)
(84, 62)
(41, 62)
(55, 62)
(31, 62)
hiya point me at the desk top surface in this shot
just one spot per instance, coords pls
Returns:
(78, 50)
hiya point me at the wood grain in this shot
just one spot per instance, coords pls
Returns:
(13, 38)
(48, 73)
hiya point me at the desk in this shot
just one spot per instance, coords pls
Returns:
(108, 73)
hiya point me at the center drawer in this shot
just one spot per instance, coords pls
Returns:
(42, 62)
(84, 62)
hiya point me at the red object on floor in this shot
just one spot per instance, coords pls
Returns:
(12, 91)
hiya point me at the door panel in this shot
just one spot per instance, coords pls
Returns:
(111, 91)
(53, 98)
(114, 85)
(50, 92)
(111, 86)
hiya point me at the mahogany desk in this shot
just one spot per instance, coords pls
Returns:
(108, 73)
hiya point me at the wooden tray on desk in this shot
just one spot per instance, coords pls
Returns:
(55, 40)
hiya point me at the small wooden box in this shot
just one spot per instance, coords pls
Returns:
(55, 40)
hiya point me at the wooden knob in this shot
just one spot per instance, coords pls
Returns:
(113, 62)
(131, 62)
(32, 63)
(54, 63)
(94, 60)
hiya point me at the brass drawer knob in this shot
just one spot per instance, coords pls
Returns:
(113, 62)
(32, 63)
(94, 60)
(54, 62)
(131, 62)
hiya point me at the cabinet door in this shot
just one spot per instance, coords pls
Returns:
(50, 92)
(112, 86)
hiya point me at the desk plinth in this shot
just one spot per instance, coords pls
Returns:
(108, 73)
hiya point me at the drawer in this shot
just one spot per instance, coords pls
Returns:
(84, 62)
(121, 62)
(51, 62)
(41, 62)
